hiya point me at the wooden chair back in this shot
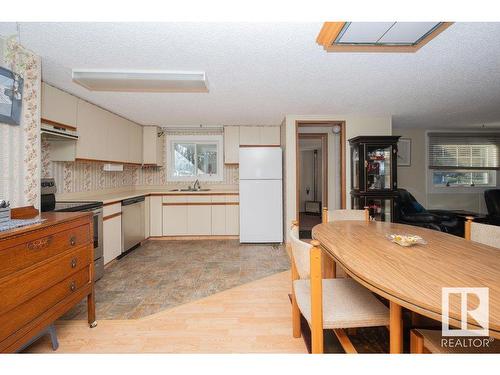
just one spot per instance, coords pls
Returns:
(483, 233)
(337, 215)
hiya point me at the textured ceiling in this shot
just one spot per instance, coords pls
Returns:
(259, 72)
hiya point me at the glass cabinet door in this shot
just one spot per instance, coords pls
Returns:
(378, 167)
(355, 167)
(380, 208)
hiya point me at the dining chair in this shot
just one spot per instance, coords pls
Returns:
(336, 304)
(485, 234)
(428, 341)
(330, 269)
(344, 214)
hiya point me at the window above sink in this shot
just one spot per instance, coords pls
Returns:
(192, 157)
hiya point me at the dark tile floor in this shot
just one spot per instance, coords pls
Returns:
(164, 274)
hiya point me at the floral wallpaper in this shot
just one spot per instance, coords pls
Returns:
(20, 144)
(81, 176)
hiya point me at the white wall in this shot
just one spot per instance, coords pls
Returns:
(355, 125)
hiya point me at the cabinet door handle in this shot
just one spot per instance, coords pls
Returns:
(40, 243)
(73, 263)
(72, 286)
(72, 240)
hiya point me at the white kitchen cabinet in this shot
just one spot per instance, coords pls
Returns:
(218, 215)
(112, 232)
(117, 142)
(249, 135)
(270, 135)
(147, 218)
(155, 216)
(175, 215)
(259, 135)
(135, 142)
(92, 132)
(58, 106)
(231, 144)
(232, 209)
(199, 220)
(152, 146)
(175, 220)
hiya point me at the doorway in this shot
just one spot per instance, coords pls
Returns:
(313, 188)
(320, 174)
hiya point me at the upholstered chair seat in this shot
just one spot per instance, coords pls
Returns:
(346, 304)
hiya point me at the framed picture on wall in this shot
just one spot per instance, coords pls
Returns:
(404, 152)
(11, 96)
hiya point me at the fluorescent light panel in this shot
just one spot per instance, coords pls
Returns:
(384, 33)
(141, 80)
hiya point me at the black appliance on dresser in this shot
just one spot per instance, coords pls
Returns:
(374, 175)
(49, 203)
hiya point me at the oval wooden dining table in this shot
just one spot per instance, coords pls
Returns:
(413, 277)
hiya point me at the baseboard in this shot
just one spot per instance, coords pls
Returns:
(189, 238)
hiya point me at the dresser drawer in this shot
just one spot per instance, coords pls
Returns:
(34, 250)
(31, 309)
(23, 286)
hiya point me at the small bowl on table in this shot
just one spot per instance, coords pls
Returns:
(406, 240)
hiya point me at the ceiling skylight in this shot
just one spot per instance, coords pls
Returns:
(378, 36)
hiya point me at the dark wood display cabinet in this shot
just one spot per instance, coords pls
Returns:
(374, 174)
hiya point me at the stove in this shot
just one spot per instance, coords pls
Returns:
(62, 206)
(49, 203)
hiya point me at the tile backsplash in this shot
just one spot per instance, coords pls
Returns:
(82, 176)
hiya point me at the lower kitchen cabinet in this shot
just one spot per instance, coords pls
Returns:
(199, 220)
(112, 238)
(175, 221)
(218, 220)
(155, 217)
(200, 215)
(232, 220)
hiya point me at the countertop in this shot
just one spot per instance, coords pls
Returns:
(50, 219)
(110, 197)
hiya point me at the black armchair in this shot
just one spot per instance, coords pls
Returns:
(492, 199)
(409, 211)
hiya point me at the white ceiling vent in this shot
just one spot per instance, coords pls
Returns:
(141, 80)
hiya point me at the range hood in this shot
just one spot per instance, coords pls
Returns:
(54, 132)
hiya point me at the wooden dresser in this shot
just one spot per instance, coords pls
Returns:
(45, 269)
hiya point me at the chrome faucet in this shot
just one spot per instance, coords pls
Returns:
(196, 185)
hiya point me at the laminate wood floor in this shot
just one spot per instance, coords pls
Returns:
(251, 318)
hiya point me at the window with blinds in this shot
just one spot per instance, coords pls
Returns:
(463, 159)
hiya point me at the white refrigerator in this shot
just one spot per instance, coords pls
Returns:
(261, 195)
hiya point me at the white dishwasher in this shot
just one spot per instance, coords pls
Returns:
(132, 223)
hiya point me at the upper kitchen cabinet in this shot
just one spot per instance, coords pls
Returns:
(153, 143)
(270, 135)
(231, 144)
(92, 124)
(104, 136)
(259, 136)
(236, 136)
(249, 135)
(135, 142)
(58, 106)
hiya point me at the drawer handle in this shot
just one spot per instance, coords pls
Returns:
(72, 240)
(72, 286)
(73, 262)
(40, 243)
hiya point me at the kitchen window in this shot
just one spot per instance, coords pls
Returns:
(195, 157)
(463, 160)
